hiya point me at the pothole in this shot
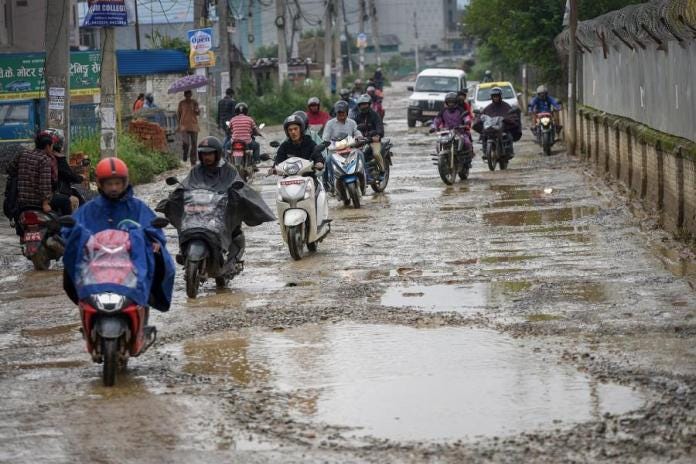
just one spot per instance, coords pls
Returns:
(459, 298)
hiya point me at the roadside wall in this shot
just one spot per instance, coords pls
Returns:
(657, 168)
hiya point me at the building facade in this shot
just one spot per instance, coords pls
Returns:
(23, 25)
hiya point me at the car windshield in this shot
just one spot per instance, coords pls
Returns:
(437, 84)
(14, 114)
(485, 94)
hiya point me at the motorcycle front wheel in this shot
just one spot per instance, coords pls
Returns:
(354, 195)
(296, 241)
(547, 142)
(193, 279)
(489, 156)
(447, 174)
(110, 361)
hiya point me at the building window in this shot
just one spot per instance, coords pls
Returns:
(88, 38)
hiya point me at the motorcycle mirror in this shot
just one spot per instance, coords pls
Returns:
(171, 180)
(514, 111)
(265, 157)
(262, 125)
(66, 221)
(477, 111)
(274, 144)
(86, 162)
(409, 88)
(227, 123)
(159, 223)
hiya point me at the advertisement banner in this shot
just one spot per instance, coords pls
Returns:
(201, 43)
(22, 75)
(106, 13)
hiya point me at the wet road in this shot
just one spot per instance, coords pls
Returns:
(525, 315)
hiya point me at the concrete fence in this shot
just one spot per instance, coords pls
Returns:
(655, 167)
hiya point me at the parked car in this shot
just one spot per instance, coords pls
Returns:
(481, 97)
(428, 96)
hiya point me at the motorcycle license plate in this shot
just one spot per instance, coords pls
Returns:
(32, 237)
(238, 154)
(429, 113)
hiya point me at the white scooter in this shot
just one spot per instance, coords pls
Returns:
(303, 207)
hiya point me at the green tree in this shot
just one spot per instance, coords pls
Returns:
(512, 32)
(159, 40)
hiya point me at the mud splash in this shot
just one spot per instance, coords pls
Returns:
(411, 384)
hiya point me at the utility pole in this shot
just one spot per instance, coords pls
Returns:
(338, 56)
(137, 25)
(348, 41)
(572, 79)
(223, 14)
(282, 44)
(250, 31)
(58, 68)
(200, 19)
(107, 103)
(415, 36)
(327, 45)
(361, 50)
(375, 31)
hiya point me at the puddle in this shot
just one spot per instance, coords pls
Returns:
(507, 259)
(51, 331)
(537, 217)
(433, 298)
(514, 192)
(59, 364)
(403, 383)
(677, 264)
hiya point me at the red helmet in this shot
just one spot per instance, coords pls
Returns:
(110, 168)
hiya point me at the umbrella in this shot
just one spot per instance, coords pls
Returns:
(191, 82)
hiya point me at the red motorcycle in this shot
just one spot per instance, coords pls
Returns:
(113, 326)
(378, 108)
(40, 238)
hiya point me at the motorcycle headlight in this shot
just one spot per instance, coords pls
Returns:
(545, 121)
(108, 302)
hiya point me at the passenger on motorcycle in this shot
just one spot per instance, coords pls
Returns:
(453, 116)
(316, 118)
(243, 127)
(117, 208)
(544, 103)
(298, 144)
(369, 123)
(463, 100)
(66, 176)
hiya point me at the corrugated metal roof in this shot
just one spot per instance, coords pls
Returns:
(144, 62)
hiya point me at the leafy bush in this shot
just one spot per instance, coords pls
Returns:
(143, 163)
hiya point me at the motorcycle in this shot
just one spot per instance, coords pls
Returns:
(303, 207)
(348, 164)
(378, 172)
(497, 143)
(378, 108)
(114, 327)
(545, 132)
(449, 160)
(40, 240)
(204, 238)
(241, 156)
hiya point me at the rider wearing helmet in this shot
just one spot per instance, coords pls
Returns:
(487, 76)
(317, 119)
(498, 107)
(243, 128)
(453, 116)
(298, 144)
(544, 103)
(66, 176)
(314, 135)
(117, 208)
(346, 97)
(463, 100)
(369, 123)
(341, 124)
(357, 88)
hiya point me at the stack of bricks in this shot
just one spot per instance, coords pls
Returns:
(79, 167)
(150, 134)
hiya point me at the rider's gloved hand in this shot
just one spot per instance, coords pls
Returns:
(318, 166)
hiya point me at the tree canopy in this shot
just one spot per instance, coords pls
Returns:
(513, 32)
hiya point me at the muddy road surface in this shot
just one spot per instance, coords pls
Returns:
(527, 315)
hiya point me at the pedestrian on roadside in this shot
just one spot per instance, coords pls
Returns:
(226, 112)
(149, 101)
(187, 115)
(139, 102)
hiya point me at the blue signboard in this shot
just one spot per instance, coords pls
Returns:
(106, 13)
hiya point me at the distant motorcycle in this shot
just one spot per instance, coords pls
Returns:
(40, 240)
(241, 156)
(497, 143)
(545, 132)
(348, 164)
(449, 159)
(303, 208)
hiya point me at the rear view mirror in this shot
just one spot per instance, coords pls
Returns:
(262, 125)
(159, 223)
(409, 88)
(274, 144)
(171, 180)
(66, 221)
(265, 157)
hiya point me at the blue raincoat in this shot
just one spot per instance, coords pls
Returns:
(155, 272)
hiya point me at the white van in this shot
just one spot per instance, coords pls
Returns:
(428, 97)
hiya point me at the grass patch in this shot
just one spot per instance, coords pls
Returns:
(541, 317)
(143, 163)
(278, 102)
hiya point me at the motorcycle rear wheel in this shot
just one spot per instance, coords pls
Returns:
(381, 186)
(354, 196)
(110, 361)
(193, 280)
(220, 282)
(296, 242)
(40, 261)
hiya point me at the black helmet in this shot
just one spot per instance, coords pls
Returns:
(463, 92)
(44, 138)
(58, 139)
(496, 91)
(303, 116)
(341, 106)
(364, 98)
(293, 119)
(344, 93)
(241, 108)
(451, 97)
(209, 145)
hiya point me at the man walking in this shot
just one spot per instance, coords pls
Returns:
(187, 115)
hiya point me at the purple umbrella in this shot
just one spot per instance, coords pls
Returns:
(191, 82)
